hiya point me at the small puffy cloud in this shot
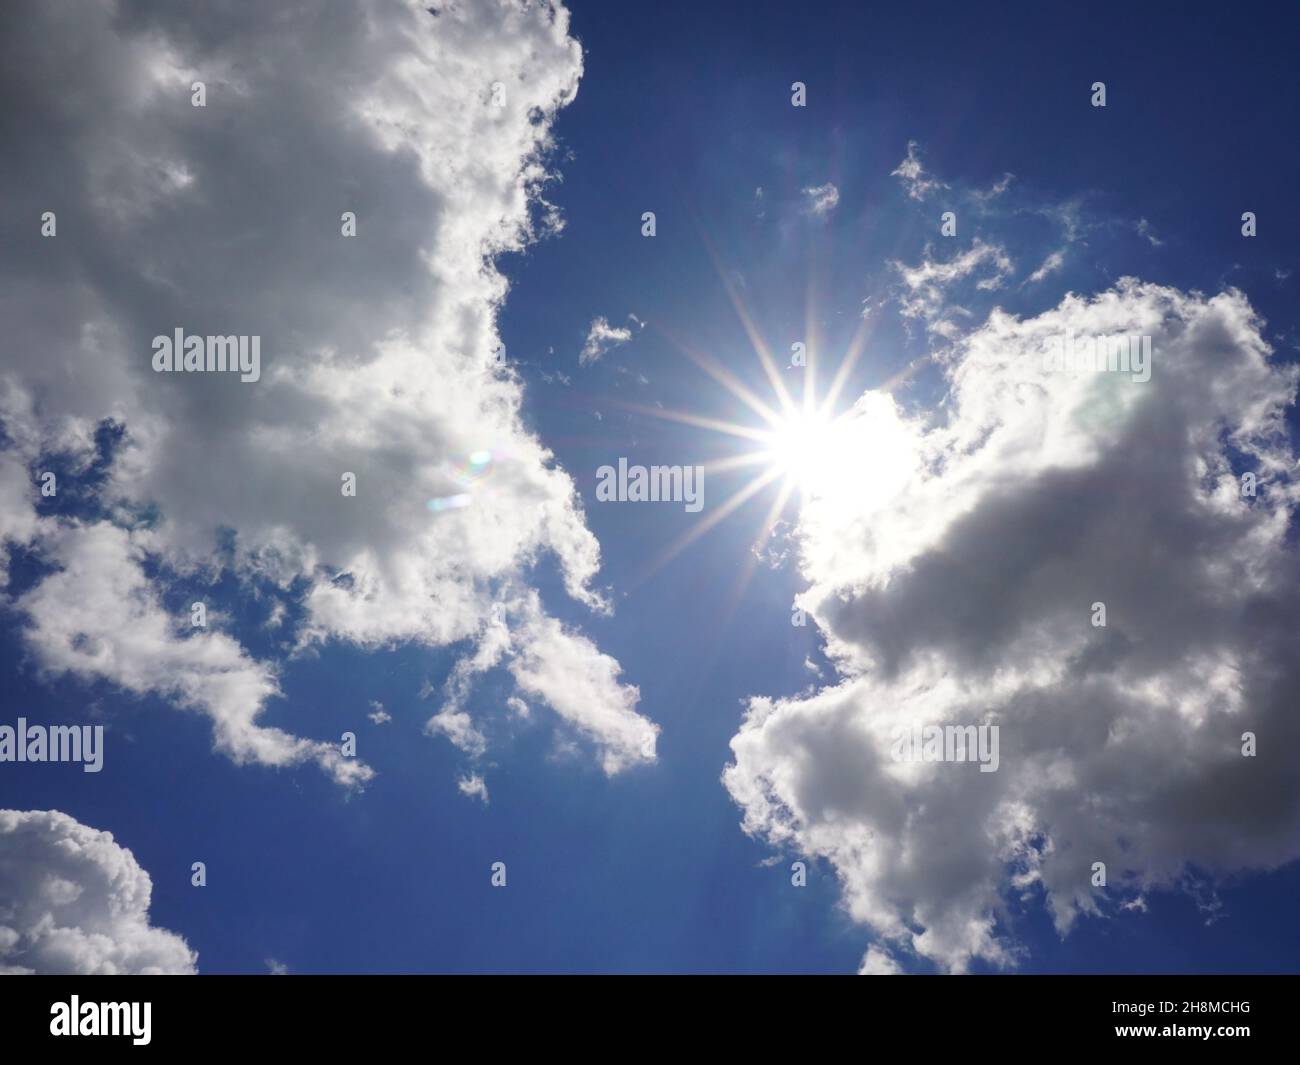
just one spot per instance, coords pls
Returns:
(568, 673)
(913, 175)
(954, 585)
(600, 338)
(822, 199)
(378, 714)
(276, 968)
(75, 902)
(458, 727)
(474, 786)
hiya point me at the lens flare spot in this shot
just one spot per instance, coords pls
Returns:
(455, 502)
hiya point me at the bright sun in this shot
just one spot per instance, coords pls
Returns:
(865, 455)
(861, 459)
(804, 448)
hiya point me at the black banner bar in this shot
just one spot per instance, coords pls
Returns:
(1234, 1015)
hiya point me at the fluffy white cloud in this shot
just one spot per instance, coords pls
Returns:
(568, 672)
(377, 350)
(72, 901)
(98, 617)
(953, 579)
(458, 727)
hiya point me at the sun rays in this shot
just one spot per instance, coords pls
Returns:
(801, 447)
(793, 444)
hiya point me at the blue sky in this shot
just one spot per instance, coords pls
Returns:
(684, 110)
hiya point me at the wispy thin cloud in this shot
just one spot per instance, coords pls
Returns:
(913, 175)
(822, 199)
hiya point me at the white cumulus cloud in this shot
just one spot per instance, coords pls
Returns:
(953, 580)
(377, 351)
(75, 902)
